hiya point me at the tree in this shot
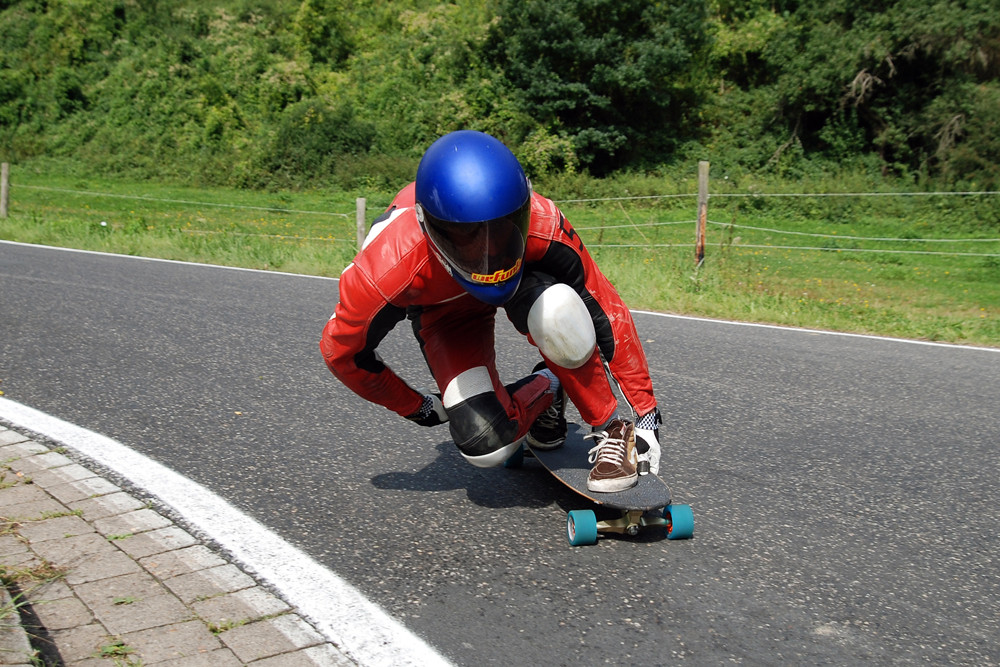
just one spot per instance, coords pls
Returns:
(320, 33)
(903, 76)
(614, 76)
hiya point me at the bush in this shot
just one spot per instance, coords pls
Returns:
(310, 138)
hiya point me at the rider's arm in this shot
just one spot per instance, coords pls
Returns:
(362, 319)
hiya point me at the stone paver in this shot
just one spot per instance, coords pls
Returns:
(169, 538)
(109, 579)
(102, 507)
(249, 604)
(181, 561)
(209, 583)
(16, 647)
(269, 637)
(61, 475)
(55, 528)
(181, 640)
(81, 489)
(138, 521)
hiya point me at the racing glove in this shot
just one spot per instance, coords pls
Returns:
(431, 413)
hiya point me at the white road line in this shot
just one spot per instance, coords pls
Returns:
(359, 628)
(641, 312)
(165, 261)
(818, 331)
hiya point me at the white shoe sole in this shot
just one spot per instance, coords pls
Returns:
(612, 485)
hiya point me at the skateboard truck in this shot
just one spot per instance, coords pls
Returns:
(582, 526)
(629, 523)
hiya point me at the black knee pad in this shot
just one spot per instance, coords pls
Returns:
(481, 429)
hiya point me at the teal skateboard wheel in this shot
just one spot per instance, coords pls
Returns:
(581, 527)
(680, 521)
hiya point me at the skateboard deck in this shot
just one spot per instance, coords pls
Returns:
(645, 505)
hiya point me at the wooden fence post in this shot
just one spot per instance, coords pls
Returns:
(359, 208)
(702, 212)
(4, 188)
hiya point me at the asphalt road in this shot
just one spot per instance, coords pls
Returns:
(844, 488)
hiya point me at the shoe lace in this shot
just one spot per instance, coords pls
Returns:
(608, 449)
(548, 419)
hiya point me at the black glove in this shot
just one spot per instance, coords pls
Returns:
(431, 413)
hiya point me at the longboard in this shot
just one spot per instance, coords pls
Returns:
(645, 505)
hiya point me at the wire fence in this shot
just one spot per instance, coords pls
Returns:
(186, 216)
(752, 236)
(164, 200)
(606, 222)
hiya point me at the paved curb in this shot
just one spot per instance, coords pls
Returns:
(101, 579)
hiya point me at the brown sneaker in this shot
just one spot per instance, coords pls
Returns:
(614, 458)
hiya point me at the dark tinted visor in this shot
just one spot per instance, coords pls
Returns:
(483, 252)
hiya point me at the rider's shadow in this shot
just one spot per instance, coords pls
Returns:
(487, 487)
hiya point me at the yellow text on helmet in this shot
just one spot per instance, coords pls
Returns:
(498, 277)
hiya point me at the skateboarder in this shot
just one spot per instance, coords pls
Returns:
(467, 237)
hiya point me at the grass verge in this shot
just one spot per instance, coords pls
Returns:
(921, 267)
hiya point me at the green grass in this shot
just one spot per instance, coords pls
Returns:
(826, 274)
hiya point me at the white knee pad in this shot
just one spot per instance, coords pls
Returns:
(561, 326)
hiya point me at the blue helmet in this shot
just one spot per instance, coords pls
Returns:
(474, 204)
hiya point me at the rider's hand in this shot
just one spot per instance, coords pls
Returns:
(431, 413)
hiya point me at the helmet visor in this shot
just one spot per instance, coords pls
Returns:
(488, 253)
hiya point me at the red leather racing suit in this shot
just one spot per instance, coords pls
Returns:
(397, 275)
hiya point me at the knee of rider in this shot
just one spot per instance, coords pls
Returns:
(480, 426)
(562, 327)
(483, 433)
